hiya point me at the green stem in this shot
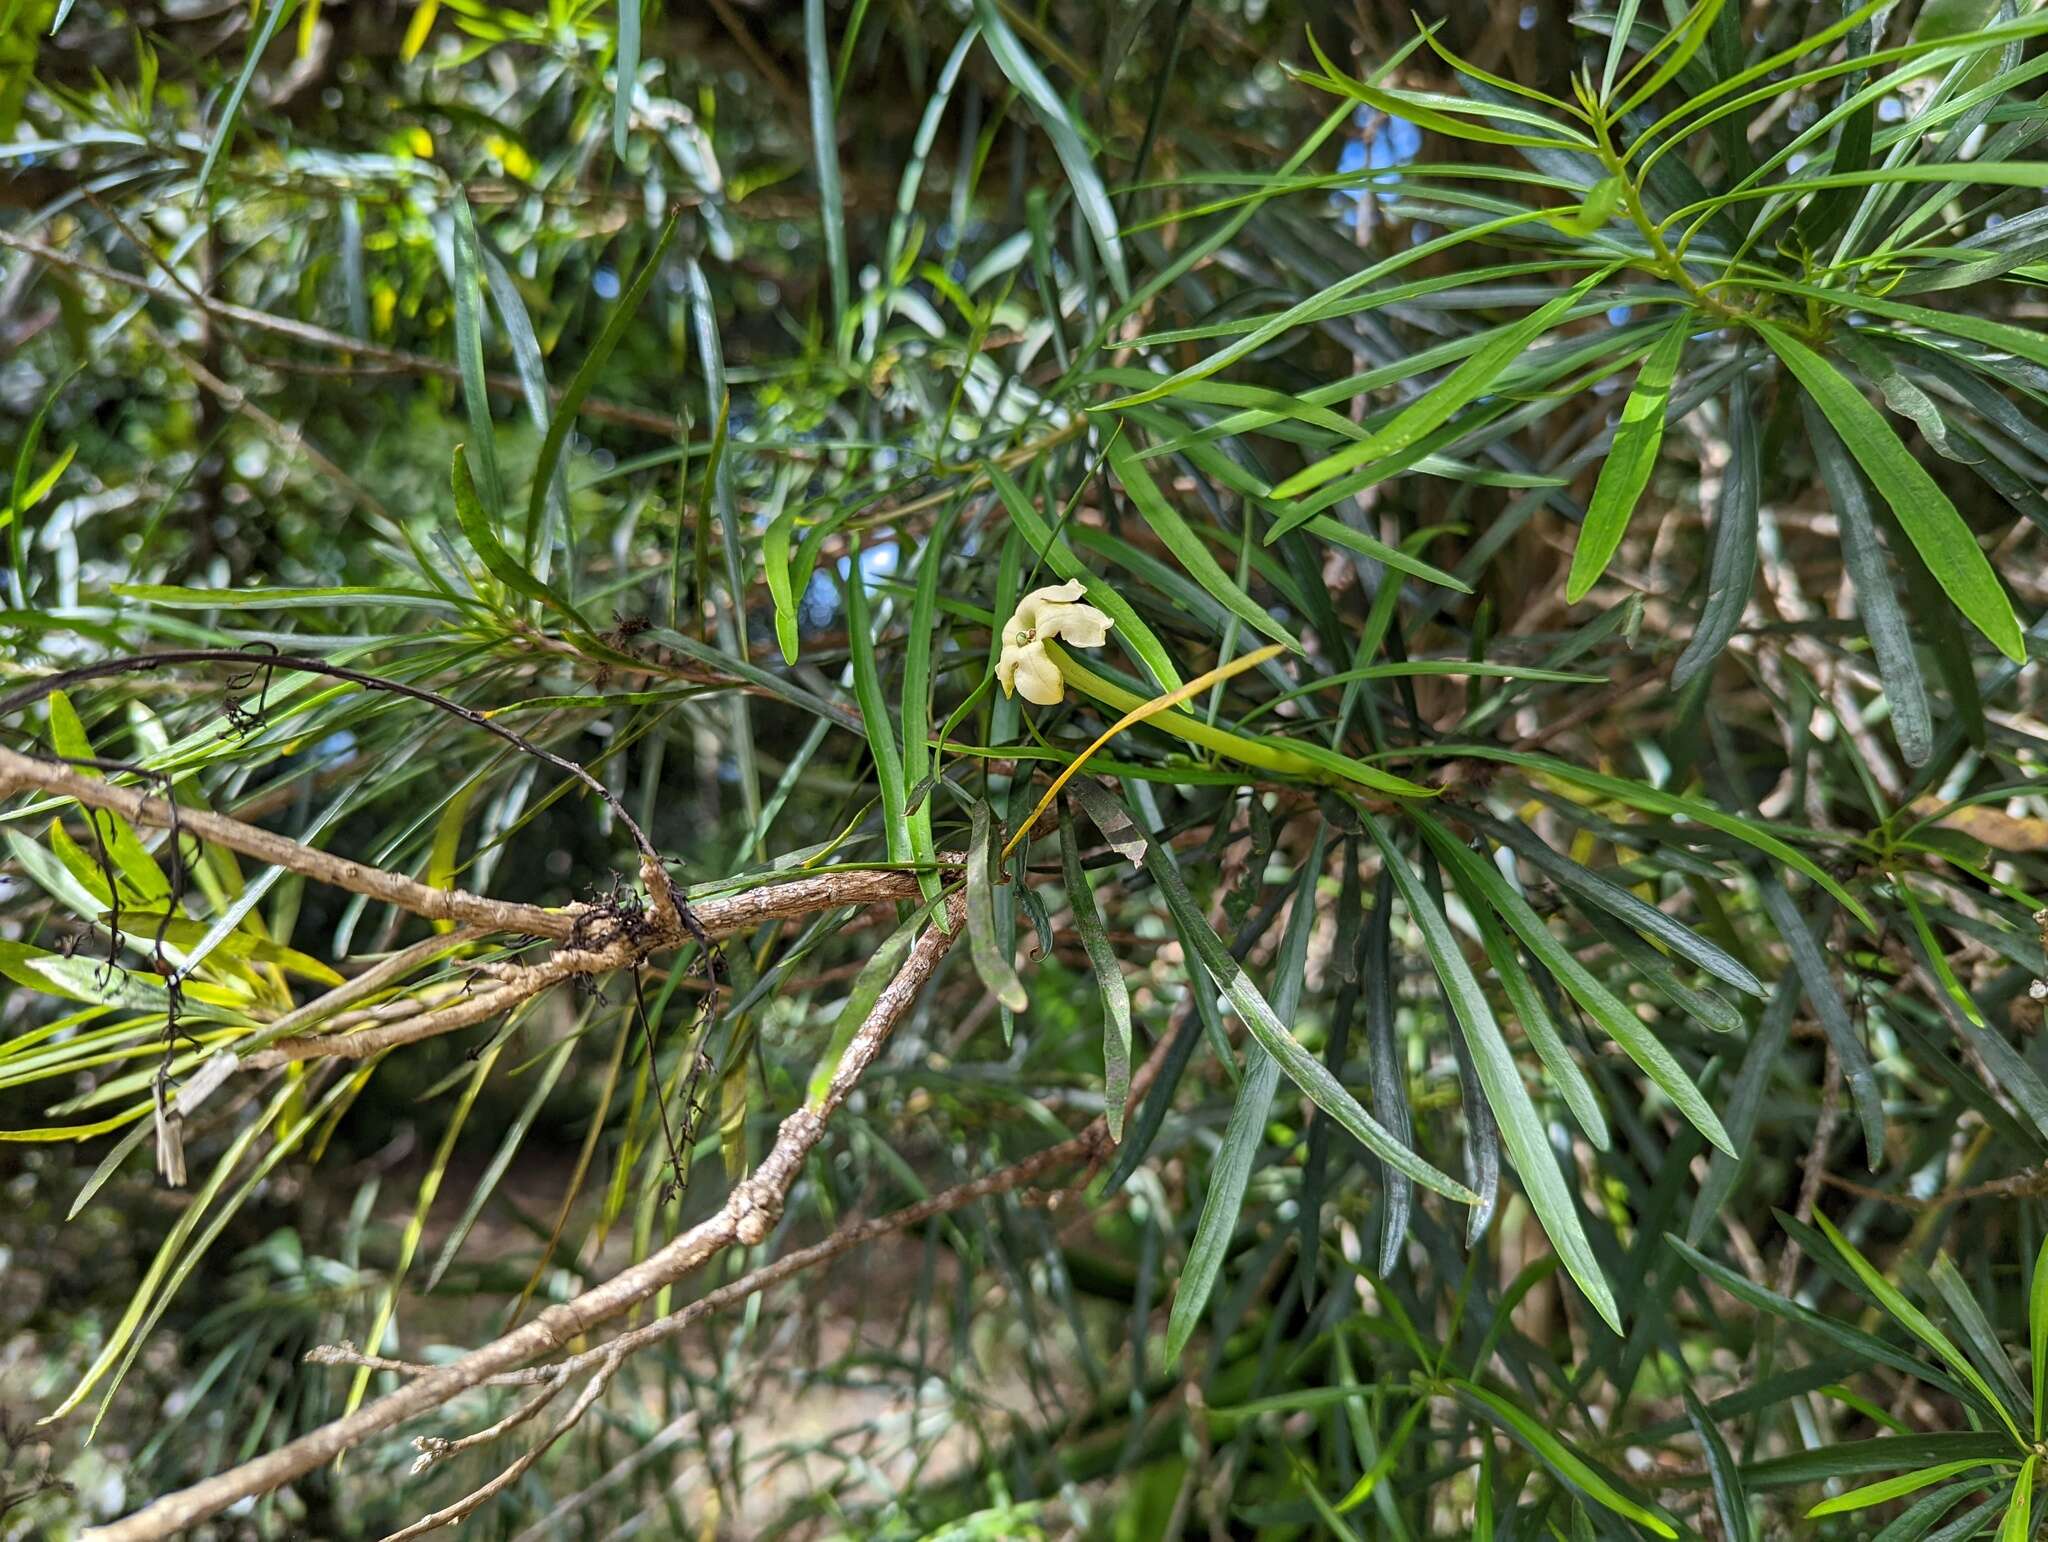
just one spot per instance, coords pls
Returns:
(1251, 752)
(1666, 264)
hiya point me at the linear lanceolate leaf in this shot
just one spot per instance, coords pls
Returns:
(917, 677)
(469, 352)
(1730, 1502)
(1308, 1073)
(137, 866)
(874, 714)
(1560, 1458)
(1437, 404)
(2019, 1515)
(231, 108)
(1572, 1083)
(1877, 602)
(1656, 800)
(1082, 177)
(1937, 531)
(1915, 1321)
(627, 62)
(1228, 1176)
(1613, 1016)
(991, 953)
(1865, 1347)
(825, 151)
(1626, 471)
(1893, 1488)
(1454, 117)
(1731, 570)
(1811, 964)
(1521, 1127)
(1604, 894)
(1109, 975)
(1389, 1076)
(2037, 1333)
(1246, 1132)
(483, 540)
(1175, 534)
(563, 418)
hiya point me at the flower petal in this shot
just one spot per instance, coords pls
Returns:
(1082, 625)
(1034, 604)
(1039, 678)
(1006, 668)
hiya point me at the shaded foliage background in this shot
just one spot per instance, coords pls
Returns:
(1735, 840)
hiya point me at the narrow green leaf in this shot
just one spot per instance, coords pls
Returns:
(1570, 1468)
(825, 151)
(483, 540)
(1523, 996)
(2018, 1524)
(1930, 521)
(1613, 1016)
(1811, 964)
(1617, 45)
(231, 108)
(340, 596)
(1595, 210)
(1915, 1321)
(1877, 602)
(1453, 117)
(563, 416)
(1731, 1503)
(1892, 1488)
(1326, 301)
(144, 879)
(28, 489)
(1175, 534)
(2037, 1333)
(1883, 1453)
(469, 353)
(875, 715)
(1626, 471)
(1603, 894)
(1521, 1128)
(1981, 1337)
(991, 953)
(1246, 1132)
(1655, 800)
(1388, 1069)
(626, 79)
(1696, 29)
(1302, 1068)
(1109, 976)
(775, 567)
(1067, 141)
(1229, 1173)
(917, 705)
(1437, 405)
(1731, 570)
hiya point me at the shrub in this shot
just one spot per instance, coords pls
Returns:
(792, 771)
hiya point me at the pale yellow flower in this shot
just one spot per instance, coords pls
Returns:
(1042, 615)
